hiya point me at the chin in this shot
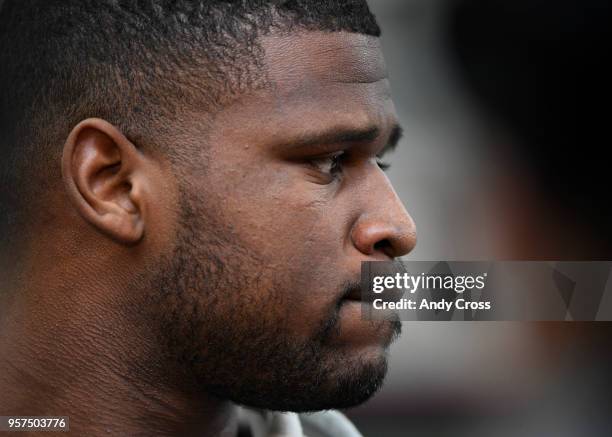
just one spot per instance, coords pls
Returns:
(341, 381)
(351, 375)
(354, 382)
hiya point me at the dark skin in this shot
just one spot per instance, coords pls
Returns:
(158, 296)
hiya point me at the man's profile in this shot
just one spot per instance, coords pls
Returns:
(188, 189)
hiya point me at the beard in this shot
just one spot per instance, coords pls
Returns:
(226, 325)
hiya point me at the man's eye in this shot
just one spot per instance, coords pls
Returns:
(330, 165)
(384, 166)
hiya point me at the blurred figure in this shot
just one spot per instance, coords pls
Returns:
(538, 69)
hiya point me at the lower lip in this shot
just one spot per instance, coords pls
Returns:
(355, 329)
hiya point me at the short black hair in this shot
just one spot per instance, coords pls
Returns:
(133, 63)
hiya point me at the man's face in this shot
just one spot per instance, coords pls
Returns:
(278, 212)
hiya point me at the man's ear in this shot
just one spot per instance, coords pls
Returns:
(104, 175)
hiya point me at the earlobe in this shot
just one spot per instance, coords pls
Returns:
(104, 175)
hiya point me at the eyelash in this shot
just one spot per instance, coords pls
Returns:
(384, 166)
(334, 163)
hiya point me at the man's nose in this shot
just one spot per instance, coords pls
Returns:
(385, 229)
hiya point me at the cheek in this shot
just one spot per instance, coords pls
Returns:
(292, 230)
(280, 215)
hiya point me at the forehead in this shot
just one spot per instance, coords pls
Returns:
(337, 74)
(337, 57)
(318, 79)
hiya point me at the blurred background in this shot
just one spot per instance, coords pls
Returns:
(502, 159)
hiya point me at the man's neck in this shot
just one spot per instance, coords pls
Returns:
(96, 373)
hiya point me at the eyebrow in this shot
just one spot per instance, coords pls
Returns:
(348, 135)
(397, 132)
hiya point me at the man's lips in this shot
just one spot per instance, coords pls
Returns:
(352, 292)
(356, 329)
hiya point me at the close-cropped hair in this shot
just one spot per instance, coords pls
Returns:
(139, 64)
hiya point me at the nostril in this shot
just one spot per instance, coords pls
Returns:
(375, 236)
(382, 245)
